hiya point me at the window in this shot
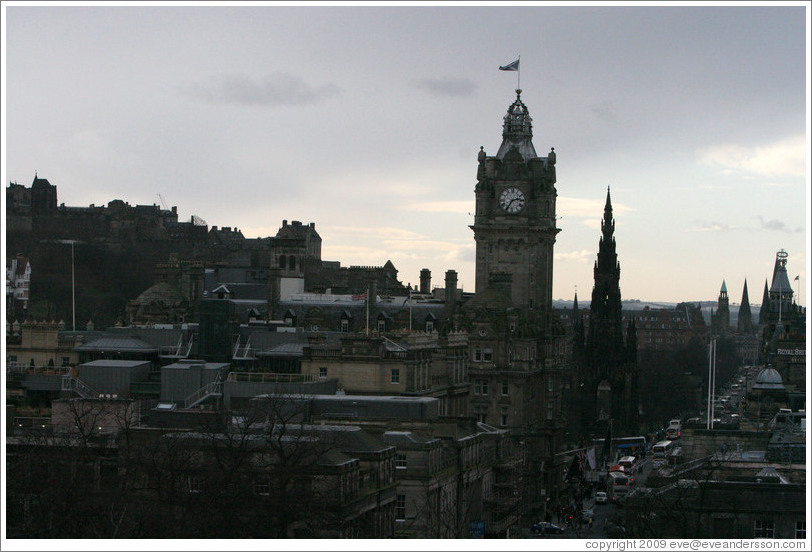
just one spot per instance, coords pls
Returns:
(504, 387)
(400, 461)
(549, 411)
(503, 418)
(400, 508)
(65, 361)
(487, 355)
(395, 375)
(195, 484)
(800, 529)
(429, 326)
(262, 487)
(481, 387)
(382, 325)
(550, 384)
(482, 416)
(763, 529)
(322, 373)
(477, 355)
(345, 325)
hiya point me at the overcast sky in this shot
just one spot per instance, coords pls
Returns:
(367, 122)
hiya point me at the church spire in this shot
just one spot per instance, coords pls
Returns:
(765, 305)
(745, 319)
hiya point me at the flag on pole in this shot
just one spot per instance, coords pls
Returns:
(514, 66)
(590, 457)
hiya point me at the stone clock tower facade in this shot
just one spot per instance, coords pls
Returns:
(514, 225)
(517, 349)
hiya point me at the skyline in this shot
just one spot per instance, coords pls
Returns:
(364, 121)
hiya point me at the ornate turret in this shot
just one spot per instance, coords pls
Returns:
(720, 322)
(517, 131)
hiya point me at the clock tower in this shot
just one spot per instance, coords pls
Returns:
(514, 225)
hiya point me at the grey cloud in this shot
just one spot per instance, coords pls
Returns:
(455, 87)
(604, 111)
(279, 89)
(713, 226)
(776, 225)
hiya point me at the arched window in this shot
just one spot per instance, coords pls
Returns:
(282, 259)
(292, 262)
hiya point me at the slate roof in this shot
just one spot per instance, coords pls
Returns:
(120, 344)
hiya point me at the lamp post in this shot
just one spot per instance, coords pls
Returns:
(72, 279)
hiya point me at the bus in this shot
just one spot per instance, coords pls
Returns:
(628, 463)
(624, 446)
(662, 451)
(618, 486)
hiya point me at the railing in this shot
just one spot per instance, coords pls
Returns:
(213, 388)
(70, 383)
(177, 350)
(269, 377)
(208, 390)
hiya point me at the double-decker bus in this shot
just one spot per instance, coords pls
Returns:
(662, 450)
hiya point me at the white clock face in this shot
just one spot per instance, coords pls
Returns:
(511, 200)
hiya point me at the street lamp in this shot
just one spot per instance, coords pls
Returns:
(72, 278)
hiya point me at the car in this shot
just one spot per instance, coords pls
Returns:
(601, 498)
(615, 531)
(547, 528)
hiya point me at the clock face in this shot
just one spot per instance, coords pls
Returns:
(511, 200)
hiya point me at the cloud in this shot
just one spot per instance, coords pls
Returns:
(278, 89)
(448, 86)
(705, 226)
(581, 256)
(378, 233)
(604, 111)
(777, 225)
(783, 158)
(459, 207)
(91, 147)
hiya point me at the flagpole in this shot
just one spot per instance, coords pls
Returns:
(519, 75)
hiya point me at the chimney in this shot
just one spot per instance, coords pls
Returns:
(425, 281)
(450, 297)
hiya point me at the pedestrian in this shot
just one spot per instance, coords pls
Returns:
(590, 522)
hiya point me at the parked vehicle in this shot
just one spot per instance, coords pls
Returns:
(601, 498)
(547, 528)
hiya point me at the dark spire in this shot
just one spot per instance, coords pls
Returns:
(765, 305)
(605, 335)
(577, 325)
(745, 321)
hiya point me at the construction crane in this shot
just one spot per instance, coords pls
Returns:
(162, 201)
